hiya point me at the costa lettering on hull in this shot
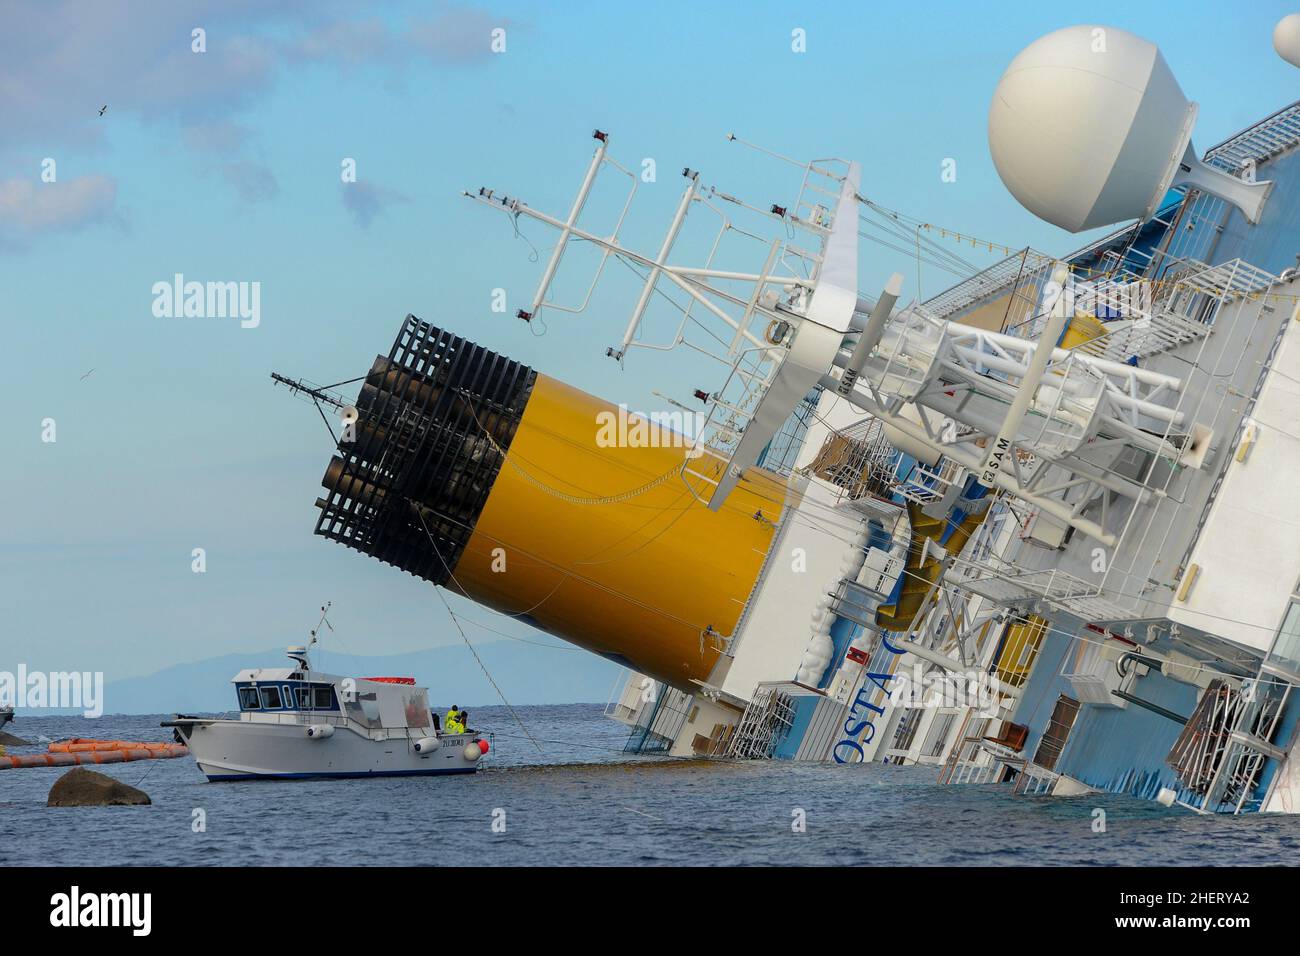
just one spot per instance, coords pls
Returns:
(856, 725)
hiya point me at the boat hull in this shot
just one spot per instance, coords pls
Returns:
(233, 750)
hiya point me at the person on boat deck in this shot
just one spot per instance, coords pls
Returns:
(454, 721)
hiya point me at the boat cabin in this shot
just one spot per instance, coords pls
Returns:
(273, 693)
(265, 693)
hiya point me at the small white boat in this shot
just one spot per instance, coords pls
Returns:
(295, 722)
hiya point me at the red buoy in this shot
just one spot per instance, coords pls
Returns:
(483, 746)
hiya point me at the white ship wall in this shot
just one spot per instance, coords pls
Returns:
(1140, 576)
(777, 624)
(704, 719)
(1246, 560)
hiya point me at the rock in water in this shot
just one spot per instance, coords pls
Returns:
(80, 787)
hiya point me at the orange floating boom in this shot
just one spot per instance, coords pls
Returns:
(71, 753)
(87, 745)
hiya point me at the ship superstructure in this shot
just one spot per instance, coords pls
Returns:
(1038, 529)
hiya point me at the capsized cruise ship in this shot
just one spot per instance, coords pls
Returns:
(1040, 529)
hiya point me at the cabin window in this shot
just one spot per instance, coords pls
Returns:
(271, 698)
(248, 699)
(316, 697)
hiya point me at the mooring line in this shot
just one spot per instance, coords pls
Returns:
(465, 637)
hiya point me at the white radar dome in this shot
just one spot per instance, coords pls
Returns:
(1286, 38)
(1088, 127)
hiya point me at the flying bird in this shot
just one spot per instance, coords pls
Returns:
(84, 377)
(102, 109)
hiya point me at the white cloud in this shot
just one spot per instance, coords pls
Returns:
(61, 60)
(29, 208)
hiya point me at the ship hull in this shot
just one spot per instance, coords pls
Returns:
(234, 750)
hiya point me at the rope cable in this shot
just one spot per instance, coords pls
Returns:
(465, 637)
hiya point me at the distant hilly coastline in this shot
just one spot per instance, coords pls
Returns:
(526, 673)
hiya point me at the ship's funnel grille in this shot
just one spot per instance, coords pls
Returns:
(419, 454)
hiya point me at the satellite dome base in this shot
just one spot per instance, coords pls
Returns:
(1248, 197)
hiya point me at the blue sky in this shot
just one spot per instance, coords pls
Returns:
(225, 166)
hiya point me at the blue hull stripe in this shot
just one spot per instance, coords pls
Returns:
(222, 778)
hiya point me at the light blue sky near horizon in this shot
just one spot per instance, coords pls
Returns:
(178, 439)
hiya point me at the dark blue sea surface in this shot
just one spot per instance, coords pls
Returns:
(586, 802)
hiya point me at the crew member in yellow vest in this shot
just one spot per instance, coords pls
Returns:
(454, 722)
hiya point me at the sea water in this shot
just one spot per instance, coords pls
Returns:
(582, 800)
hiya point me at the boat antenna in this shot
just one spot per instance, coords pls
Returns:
(319, 397)
(323, 620)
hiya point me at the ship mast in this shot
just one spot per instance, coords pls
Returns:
(1019, 415)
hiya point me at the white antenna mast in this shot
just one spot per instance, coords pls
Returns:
(316, 630)
(804, 297)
